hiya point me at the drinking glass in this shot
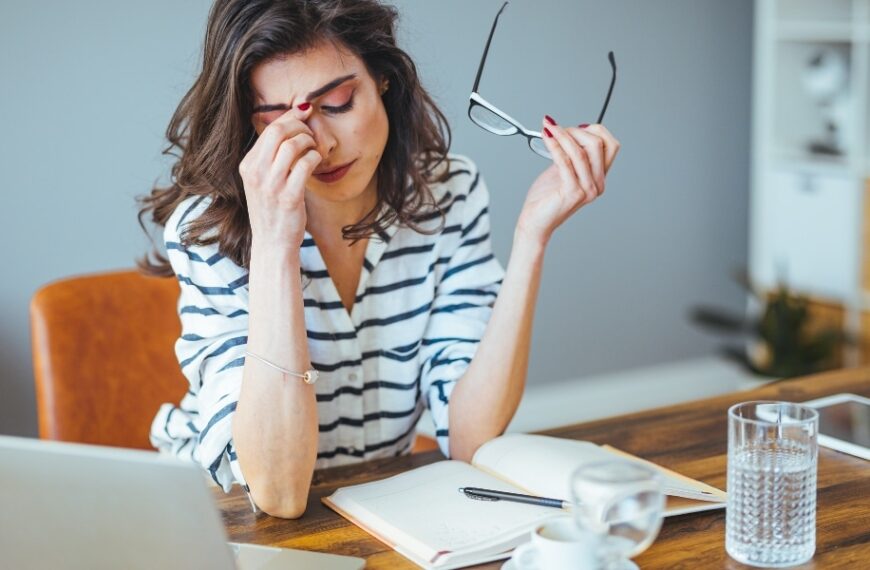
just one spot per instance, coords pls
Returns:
(621, 501)
(772, 462)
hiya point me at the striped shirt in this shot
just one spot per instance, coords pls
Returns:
(421, 308)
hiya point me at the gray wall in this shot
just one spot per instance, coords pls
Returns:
(88, 89)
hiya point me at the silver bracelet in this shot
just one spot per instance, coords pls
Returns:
(309, 376)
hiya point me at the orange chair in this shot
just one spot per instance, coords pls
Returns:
(103, 357)
(104, 360)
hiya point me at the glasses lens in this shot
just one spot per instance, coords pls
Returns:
(490, 121)
(538, 145)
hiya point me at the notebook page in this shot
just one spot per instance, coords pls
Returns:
(677, 484)
(422, 512)
(540, 465)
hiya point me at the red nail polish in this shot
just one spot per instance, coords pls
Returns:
(549, 119)
(547, 132)
(304, 106)
(583, 126)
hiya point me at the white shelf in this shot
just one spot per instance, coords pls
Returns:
(794, 116)
(801, 159)
(816, 32)
(823, 11)
(807, 210)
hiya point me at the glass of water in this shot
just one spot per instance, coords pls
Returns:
(623, 503)
(772, 465)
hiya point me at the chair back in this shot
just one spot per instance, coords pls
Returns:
(103, 356)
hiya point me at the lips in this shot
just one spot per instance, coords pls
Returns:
(335, 174)
(331, 171)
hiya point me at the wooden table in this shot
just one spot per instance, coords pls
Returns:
(690, 438)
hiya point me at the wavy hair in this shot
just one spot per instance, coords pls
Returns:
(210, 131)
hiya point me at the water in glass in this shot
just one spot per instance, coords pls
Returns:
(772, 464)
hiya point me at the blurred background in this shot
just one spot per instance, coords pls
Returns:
(743, 130)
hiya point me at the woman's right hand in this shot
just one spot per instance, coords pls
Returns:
(274, 174)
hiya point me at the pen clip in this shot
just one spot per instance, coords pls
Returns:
(476, 497)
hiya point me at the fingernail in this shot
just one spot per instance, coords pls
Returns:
(547, 132)
(304, 106)
(583, 126)
(549, 119)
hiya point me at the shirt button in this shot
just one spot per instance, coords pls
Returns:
(353, 377)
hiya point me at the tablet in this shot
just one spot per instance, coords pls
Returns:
(844, 423)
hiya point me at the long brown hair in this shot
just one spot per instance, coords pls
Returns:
(211, 128)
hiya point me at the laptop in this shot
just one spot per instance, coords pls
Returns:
(71, 506)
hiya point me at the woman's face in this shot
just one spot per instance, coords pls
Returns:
(348, 119)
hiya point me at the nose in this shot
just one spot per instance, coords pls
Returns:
(323, 136)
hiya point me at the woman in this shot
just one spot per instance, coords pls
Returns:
(317, 224)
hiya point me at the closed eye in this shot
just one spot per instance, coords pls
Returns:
(338, 110)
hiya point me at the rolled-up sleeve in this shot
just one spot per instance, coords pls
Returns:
(212, 308)
(465, 294)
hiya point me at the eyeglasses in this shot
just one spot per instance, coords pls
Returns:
(488, 116)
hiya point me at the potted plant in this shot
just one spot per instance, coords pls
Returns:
(778, 342)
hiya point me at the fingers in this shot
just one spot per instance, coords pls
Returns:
(265, 150)
(296, 157)
(594, 147)
(563, 163)
(579, 158)
(302, 171)
(287, 126)
(290, 152)
(611, 145)
(591, 150)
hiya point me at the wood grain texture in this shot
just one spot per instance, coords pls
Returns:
(689, 438)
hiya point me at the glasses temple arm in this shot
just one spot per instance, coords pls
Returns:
(486, 49)
(609, 91)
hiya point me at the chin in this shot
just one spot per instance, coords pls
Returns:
(344, 191)
(351, 187)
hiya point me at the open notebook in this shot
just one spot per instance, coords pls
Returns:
(422, 515)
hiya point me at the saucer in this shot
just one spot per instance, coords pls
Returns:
(514, 564)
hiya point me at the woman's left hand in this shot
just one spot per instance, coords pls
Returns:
(581, 159)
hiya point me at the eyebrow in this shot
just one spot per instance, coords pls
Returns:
(313, 95)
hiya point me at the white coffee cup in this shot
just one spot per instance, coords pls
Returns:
(557, 544)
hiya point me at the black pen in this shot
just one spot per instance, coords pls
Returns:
(492, 495)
